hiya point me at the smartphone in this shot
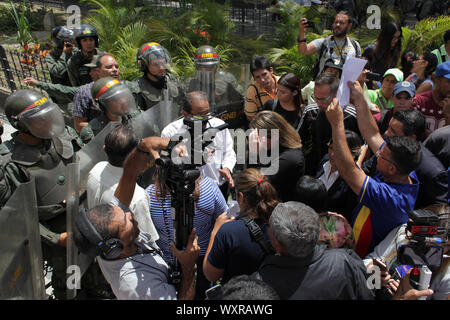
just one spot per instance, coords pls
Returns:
(214, 293)
(402, 270)
(374, 76)
(310, 24)
(379, 263)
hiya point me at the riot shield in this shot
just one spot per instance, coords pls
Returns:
(224, 89)
(72, 208)
(92, 153)
(152, 121)
(21, 273)
(77, 262)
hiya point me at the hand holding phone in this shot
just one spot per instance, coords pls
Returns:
(380, 263)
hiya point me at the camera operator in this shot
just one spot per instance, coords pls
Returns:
(220, 164)
(134, 269)
(388, 252)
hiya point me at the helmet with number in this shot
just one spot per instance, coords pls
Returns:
(60, 35)
(31, 112)
(85, 31)
(149, 52)
(113, 96)
(206, 56)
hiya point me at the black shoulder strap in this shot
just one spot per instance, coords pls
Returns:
(358, 52)
(257, 234)
(257, 94)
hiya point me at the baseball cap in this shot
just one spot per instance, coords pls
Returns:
(93, 63)
(331, 64)
(397, 73)
(405, 86)
(443, 70)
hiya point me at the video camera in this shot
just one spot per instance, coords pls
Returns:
(180, 177)
(424, 227)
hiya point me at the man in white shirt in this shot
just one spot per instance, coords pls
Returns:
(222, 159)
(104, 177)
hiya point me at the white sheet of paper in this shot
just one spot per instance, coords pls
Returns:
(351, 70)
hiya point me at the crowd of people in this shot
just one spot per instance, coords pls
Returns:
(347, 176)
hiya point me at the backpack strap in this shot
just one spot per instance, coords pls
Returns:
(257, 233)
(257, 94)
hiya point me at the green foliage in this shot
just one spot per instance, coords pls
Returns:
(427, 35)
(24, 35)
(8, 18)
(290, 13)
(109, 17)
(289, 60)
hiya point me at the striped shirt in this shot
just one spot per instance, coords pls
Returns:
(315, 133)
(256, 97)
(209, 206)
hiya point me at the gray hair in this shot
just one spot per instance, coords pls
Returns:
(329, 79)
(296, 226)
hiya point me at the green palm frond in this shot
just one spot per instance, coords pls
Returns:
(289, 60)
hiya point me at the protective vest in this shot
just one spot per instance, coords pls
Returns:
(148, 95)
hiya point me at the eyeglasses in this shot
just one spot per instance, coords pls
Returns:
(378, 155)
(321, 99)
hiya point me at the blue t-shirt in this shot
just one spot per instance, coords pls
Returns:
(381, 207)
(235, 251)
(209, 206)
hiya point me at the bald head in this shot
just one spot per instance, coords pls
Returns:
(196, 103)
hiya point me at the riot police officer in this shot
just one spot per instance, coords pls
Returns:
(116, 102)
(220, 87)
(156, 84)
(63, 45)
(57, 60)
(42, 148)
(87, 43)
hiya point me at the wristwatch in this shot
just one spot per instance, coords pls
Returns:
(301, 40)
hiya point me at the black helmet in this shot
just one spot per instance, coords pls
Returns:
(60, 35)
(151, 51)
(31, 112)
(206, 56)
(85, 31)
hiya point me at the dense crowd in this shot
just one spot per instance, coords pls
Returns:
(337, 204)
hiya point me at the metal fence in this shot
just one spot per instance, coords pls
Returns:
(16, 66)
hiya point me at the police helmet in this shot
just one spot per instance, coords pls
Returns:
(151, 51)
(85, 31)
(113, 96)
(31, 112)
(206, 56)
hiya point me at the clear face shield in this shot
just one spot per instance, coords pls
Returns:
(66, 34)
(44, 121)
(157, 59)
(206, 77)
(118, 101)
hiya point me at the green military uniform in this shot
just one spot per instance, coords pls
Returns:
(47, 164)
(78, 72)
(148, 95)
(57, 62)
(36, 116)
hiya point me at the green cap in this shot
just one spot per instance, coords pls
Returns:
(397, 73)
